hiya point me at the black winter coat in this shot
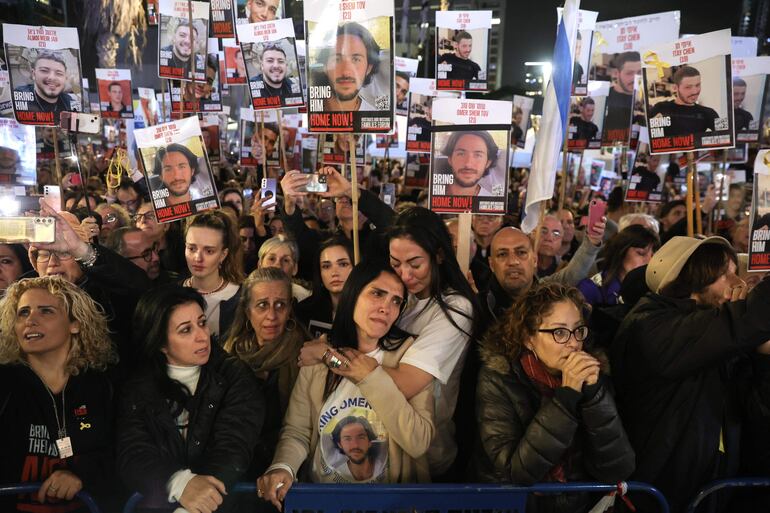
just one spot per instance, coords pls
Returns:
(523, 435)
(226, 417)
(680, 376)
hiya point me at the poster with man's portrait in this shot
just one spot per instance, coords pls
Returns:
(222, 19)
(44, 71)
(647, 176)
(177, 169)
(235, 68)
(616, 58)
(420, 116)
(256, 11)
(759, 253)
(406, 70)
(6, 106)
(181, 43)
(336, 149)
(270, 55)
(688, 94)
(522, 110)
(470, 140)
(416, 172)
(199, 96)
(350, 66)
(750, 92)
(581, 61)
(259, 130)
(18, 163)
(586, 118)
(114, 88)
(210, 131)
(462, 58)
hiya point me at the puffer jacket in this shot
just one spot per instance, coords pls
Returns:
(523, 435)
(226, 416)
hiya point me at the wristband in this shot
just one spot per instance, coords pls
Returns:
(89, 260)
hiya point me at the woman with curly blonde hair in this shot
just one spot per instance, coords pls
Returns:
(55, 403)
(544, 410)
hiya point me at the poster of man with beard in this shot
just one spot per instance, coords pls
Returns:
(178, 40)
(470, 141)
(750, 92)
(406, 70)
(199, 96)
(462, 40)
(45, 73)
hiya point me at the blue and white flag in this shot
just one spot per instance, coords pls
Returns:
(542, 175)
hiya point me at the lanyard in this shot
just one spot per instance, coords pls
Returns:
(61, 426)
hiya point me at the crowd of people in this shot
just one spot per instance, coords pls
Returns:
(245, 344)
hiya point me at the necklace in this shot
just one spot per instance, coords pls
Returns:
(219, 287)
(61, 427)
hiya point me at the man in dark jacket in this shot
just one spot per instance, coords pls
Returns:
(675, 360)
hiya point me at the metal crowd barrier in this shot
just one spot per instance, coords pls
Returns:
(15, 489)
(433, 498)
(723, 484)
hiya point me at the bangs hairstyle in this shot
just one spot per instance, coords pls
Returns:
(232, 265)
(525, 316)
(614, 252)
(426, 229)
(704, 267)
(90, 348)
(242, 338)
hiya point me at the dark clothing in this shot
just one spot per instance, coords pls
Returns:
(176, 62)
(462, 69)
(617, 117)
(674, 365)
(29, 430)
(586, 130)
(267, 90)
(123, 110)
(524, 434)
(649, 181)
(63, 101)
(226, 417)
(685, 119)
(316, 314)
(424, 126)
(577, 74)
(494, 301)
(742, 119)
(517, 135)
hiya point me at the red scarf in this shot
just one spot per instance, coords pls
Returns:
(546, 383)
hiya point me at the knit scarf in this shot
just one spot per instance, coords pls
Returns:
(546, 383)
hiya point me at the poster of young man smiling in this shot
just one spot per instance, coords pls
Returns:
(270, 55)
(175, 45)
(177, 169)
(462, 58)
(688, 94)
(350, 65)
(45, 72)
(470, 140)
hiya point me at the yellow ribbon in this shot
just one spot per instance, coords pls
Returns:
(116, 169)
(84, 425)
(766, 160)
(599, 39)
(651, 59)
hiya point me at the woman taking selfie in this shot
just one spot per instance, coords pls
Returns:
(189, 420)
(545, 412)
(55, 403)
(346, 415)
(213, 254)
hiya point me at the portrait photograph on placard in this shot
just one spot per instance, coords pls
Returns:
(252, 136)
(417, 169)
(462, 45)
(222, 19)
(6, 107)
(336, 149)
(177, 168)
(270, 55)
(199, 96)
(406, 69)
(114, 88)
(645, 182)
(759, 252)
(350, 66)
(44, 72)
(689, 105)
(522, 110)
(210, 133)
(586, 118)
(256, 11)
(750, 90)
(178, 40)
(420, 116)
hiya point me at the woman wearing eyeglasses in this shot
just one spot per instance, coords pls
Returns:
(544, 409)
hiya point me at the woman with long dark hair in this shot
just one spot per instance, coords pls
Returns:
(190, 419)
(346, 415)
(14, 263)
(335, 261)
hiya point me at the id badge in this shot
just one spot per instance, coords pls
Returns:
(65, 447)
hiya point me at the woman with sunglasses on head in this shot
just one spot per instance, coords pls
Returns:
(346, 416)
(213, 253)
(544, 409)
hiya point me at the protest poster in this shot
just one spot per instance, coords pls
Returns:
(522, 110)
(420, 118)
(616, 58)
(582, 55)
(114, 88)
(270, 56)
(743, 47)
(759, 253)
(308, 151)
(417, 169)
(350, 65)
(406, 70)
(199, 96)
(688, 94)
(469, 147)
(255, 11)
(178, 41)
(587, 117)
(750, 92)
(462, 46)
(252, 136)
(177, 169)
(645, 183)
(235, 69)
(44, 72)
(18, 162)
(336, 149)
(148, 106)
(222, 19)
(210, 131)
(6, 107)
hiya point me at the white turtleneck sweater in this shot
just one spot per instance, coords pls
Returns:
(189, 377)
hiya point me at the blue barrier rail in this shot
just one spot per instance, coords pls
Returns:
(332, 498)
(723, 484)
(15, 489)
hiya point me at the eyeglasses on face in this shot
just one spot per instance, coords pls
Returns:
(146, 254)
(546, 231)
(146, 216)
(562, 335)
(45, 256)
